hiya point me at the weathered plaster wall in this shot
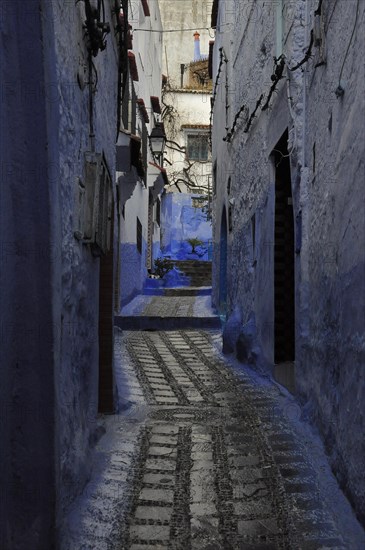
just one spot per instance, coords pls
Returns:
(50, 281)
(191, 109)
(331, 369)
(133, 270)
(181, 221)
(147, 48)
(77, 375)
(186, 107)
(328, 203)
(179, 46)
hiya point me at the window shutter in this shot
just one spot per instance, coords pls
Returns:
(95, 228)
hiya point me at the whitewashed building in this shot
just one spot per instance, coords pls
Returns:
(186, 115)
(141, 178)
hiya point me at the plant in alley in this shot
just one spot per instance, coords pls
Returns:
(194, 242)
(163, 266)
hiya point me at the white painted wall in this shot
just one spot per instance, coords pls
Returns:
(184, 18)
(147, 48)
(193, 108)
(178, 47)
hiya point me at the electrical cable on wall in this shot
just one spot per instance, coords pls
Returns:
(280, 64)
(253, 114)
(275, 77)
(340, 90)
(307, 55)
(222, 59)
(96, 28)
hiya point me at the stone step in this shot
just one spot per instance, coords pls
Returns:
(165, 323)
(188, 291)
(199, 272)
(205, 290)
(187, 264)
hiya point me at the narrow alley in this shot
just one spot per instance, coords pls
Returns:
(205, 453)
(182, 275)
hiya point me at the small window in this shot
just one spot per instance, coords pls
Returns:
(139, 236)
(197, 147)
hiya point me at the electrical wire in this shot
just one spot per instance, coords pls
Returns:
(330, 17)
(348, 47)
(174, 30)
(209, 29)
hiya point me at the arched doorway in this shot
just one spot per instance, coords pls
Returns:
(223, 264)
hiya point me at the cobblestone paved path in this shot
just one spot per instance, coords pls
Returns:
(217, 466)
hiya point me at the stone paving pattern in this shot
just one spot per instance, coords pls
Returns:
(214, 469)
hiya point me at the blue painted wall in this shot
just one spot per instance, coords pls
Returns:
(133, 271)
(181, 221)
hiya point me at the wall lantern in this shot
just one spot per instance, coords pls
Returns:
(158, 141)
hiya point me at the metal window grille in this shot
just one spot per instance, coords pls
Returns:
(158, 212)
(197, 147)
(139, 236)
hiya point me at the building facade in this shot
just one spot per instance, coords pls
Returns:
(60, 77)
(288, 216)
(141, 177)
(186, 114)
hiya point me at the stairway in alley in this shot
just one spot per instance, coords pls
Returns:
(175, 311)
(174, 307)
(198, 272)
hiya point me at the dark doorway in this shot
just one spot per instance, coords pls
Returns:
(106, 328)
(284, 283)
(223, 265)
(150, 232)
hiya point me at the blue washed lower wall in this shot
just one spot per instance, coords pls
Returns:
(133, 271)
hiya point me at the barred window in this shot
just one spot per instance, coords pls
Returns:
(197, 147)
(158, 212)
